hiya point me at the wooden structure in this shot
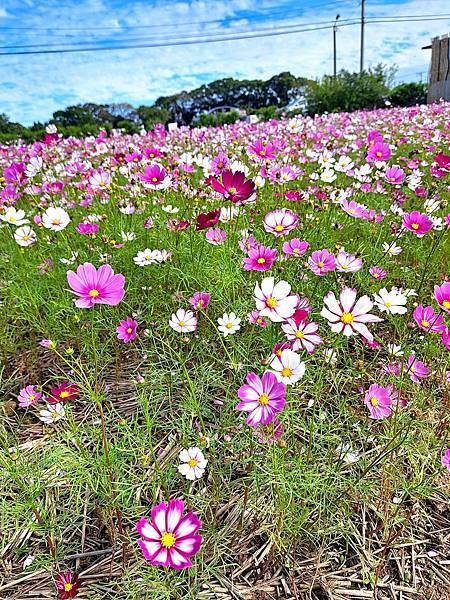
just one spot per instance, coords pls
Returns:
(439, 74)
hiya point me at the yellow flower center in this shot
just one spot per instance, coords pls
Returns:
(388, 304)
(286, 372)
(299, 335)
(129, 329)
(321, 264)
(232, 190)
(55, 221)
(347, 318)
(374, 401)
(261, 261)
(31, 397)
(296, 251)
(26, 238)
(446, 304)
(54, 414)
(229, 325)
(154, 179)
(279, 228)
(271, 302)
(68, 587)
(263, 399)
(379, 154)
(415, 225)
(192, 462)
(425, 323)
(182, 323)
(376, 275)
(167, 540)
(262, 153)
(64, 394)
(94, 293)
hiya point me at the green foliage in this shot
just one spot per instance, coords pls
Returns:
(267, 112)
(350, 91)
(408, 94)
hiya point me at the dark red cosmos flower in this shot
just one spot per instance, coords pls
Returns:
(299, 316)
(63, 393)
(234, 186)
(68, 585)
(205, 220)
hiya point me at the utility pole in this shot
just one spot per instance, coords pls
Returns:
(361, 56)
(334, 45)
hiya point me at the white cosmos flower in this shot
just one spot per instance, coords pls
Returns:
(146, 257)
(227, 213)
(328, 176)
(273, 300)
(229, 323)
(392, 249)
(183, 321)
(171, 210)
(55, 218)
(395, 350)
(128, 236)
(14, 216)
(393, 302)
(69, 261)
(52, 413)
(330, 356)
(193, 463)
(34, 166)
(287, 368)
(25, 236)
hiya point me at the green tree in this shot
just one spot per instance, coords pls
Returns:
(409, 94)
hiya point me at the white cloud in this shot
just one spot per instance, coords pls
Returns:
(32, 87)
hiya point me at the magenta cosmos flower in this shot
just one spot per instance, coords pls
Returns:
(94, 286)
(155, 176)
(417, 223)
(442, 295)
(377, 272)
(378, 401)
(295, 247)
(379, 151)
(87, 228)
(67, 584)
(126, 330)
(394, 175)
(349, 316)
(263, 398)
(234, 186)
(29, 396)
(428, 320)
(170, 539)
(259, 258)
(200, 300)
(321, 262)
(445, 460)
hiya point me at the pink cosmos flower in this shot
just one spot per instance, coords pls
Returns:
(29, 396)
(254, 318)
(354, 209)
(259, 258)
(219, 163)
(321, 262)
(446, 337)
(263, 398)
(416, 369)
(417, 223)
(445, 460)
(183, 321)
(67, 584)
(295, 247)
(373, 137)
(247, 243)
(349, 316)
(442, 295)
(216, 236)
(273, 300)
(378, 401)
(126, 330)
(428, 320)
(395, 175)
(87, 228)
(200, 300)
(155, 177)
(280, 221)
(49, 344)
(170, 539)
(302, 335)
(379, 151)
(348, 263)
(269, 434)
(443, 161)
(94, 286)
(261, 151)
(377, 272)
(234, 186)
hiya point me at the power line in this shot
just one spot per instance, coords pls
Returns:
(210, 39)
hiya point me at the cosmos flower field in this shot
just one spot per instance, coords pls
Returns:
(225, 361)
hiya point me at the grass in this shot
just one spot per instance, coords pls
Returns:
(287, 511)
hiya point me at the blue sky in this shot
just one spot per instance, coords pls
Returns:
(32, 87)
